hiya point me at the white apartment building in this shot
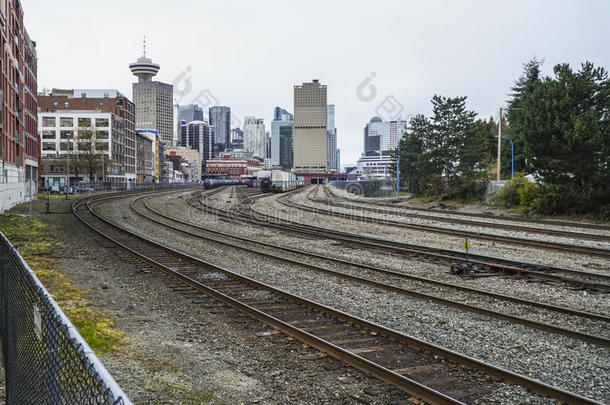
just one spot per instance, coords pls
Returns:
(375, 167)
(255, 137)
(61, 130)
(383, 135)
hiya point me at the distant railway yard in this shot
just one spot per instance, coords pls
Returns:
(383, 287)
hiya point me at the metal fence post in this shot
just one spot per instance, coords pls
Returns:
(46, 361)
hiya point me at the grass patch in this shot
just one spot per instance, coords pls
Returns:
(188, 395)
(44, 196)
(33, 243)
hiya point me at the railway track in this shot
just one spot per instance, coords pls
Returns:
(142, 206)
(512, 218)
(408, 213)
(431, 373)
(573, 278)
(584, 250)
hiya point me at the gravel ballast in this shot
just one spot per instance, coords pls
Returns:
(568, 363)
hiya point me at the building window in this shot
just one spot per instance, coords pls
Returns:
(48, 146)
(83, 95)
(54, 104)
(48, 134)
(101, 122)
(102, 135)
(84, 122)
(99, 146)
(66, 122)
(66, 134)
(48, 121)
(66, 104)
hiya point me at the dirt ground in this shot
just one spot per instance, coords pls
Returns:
(183, 350)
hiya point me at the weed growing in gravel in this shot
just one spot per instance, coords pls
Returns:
(37, 249)
(188, 395)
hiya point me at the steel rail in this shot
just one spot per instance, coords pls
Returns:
(450, 256)
(357, 205)
(585, 250)
(598, 340)
(380, 372)
(486, 216)
(556, 308)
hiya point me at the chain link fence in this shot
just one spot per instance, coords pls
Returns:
(46, 361)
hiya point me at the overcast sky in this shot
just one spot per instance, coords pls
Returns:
(377, 58)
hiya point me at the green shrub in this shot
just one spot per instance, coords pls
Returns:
(518, 192)
(527, 194)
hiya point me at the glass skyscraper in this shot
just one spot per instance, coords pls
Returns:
(220, 119)
(281, 140)
(191, 112)
(331, 143)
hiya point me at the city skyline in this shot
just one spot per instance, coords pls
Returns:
(422, 57)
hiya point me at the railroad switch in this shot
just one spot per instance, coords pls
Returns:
(469, 270)
(463, 268)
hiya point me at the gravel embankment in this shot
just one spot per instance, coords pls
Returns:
(271, 206)
(560, 361)
(555, 318)
(401, 208)
(536, 291)
(404, 218)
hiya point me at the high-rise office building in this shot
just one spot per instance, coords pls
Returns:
(338, 160)
(198, 135)
(191, 112)
(237, 139)
(255, 137)
(382, 135)
(278, 114)
(380, 140)
(19, 144)
(281, 141)
(153, 100)
(310, 126)
(220, 119)
(331, 144)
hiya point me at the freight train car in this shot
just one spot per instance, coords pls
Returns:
(280, 182)
(213, 183)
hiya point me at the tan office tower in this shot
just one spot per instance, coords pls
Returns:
(309, 139)
(153, 100)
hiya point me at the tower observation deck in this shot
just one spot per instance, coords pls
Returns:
(144, 68)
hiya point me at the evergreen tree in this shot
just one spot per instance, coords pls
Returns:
(474, 158)
(524, 86)
(450, 125)
(414, 162)
(566, 127)
(447, 154)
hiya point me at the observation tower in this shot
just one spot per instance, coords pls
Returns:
(144, 68)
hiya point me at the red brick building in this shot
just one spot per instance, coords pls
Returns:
(19, 148)
(233, 167)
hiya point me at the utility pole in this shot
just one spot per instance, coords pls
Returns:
(398, 170)
(499, 142)
(68, 168)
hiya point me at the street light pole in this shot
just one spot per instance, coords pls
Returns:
(512, 156)
(398, 169)
(499, 143)
(68, 168)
